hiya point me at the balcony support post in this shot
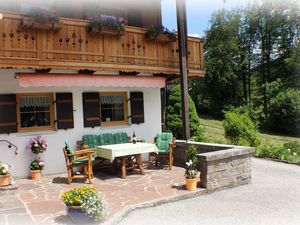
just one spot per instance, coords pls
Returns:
(183, 62)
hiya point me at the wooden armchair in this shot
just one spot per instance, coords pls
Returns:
(77, 160)
(165, 142)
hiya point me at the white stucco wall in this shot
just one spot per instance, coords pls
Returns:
(55, 162)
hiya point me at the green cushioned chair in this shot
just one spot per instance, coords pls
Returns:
(120, 138)
(76, 160)
(165, 143)
(106, 139)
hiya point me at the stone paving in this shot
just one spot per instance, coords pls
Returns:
(37, 201)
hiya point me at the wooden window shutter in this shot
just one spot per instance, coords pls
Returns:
(64, 110)
(91, 109)
(137, 107)
(8, 113)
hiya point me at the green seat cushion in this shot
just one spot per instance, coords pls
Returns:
(79, 162)
(120, 138)
(90, 140)
(106, 139)
(163, 140)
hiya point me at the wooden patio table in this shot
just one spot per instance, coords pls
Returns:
(123, 151)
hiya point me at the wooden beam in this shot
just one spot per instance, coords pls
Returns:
(182, 40)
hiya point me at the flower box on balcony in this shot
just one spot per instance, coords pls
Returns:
(111, 31)
(106, 25)
(41, 25)
(163, 38)
(41, 18)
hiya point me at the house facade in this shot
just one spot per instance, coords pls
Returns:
(65, 80)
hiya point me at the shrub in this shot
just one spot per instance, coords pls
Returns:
(240, 129)
(289, 151)
(174, 117)
(191, 154)
(284, 108)
(248, 110)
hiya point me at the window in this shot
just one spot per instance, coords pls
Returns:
(135, 18)
(35, 111)
(114, 110)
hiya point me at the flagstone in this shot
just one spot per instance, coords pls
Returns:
(41, 197)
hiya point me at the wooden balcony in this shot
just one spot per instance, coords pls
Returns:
(73, 47)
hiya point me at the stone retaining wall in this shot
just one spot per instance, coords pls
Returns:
(221, 166)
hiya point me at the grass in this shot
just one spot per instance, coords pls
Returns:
(215, 132)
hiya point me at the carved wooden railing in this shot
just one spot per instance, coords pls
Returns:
(73, 47)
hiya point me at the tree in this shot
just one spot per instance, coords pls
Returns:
(222, 60)
(174, 118)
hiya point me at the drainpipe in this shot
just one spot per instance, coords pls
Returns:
(183, 63)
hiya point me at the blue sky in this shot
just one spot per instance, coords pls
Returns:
(198, 13)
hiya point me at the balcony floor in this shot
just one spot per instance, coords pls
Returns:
(37, 201)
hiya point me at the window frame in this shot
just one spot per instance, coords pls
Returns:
(124, 94)
(37, 128)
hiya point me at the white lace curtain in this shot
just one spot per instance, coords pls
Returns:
(34, 101)
(111, 100)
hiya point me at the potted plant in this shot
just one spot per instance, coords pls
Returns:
(104, 24)
(5, 176)
(190, 168)
(84, 204)
(37, 145)
(41, 18)
(36, 167)
(152, 33)
(165, 35)
(161, 34)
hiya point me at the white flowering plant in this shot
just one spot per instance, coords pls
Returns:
(94, 206)
(190, 170)
(3, 169)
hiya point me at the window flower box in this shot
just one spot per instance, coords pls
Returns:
(42, 19)
(161, 34)
(106, 25)
(163, 38)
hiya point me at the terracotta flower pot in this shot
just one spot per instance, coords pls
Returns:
(35, 174)
(191, 184)
(5, 180)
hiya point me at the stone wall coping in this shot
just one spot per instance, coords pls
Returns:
(182, 143)
(222, 154)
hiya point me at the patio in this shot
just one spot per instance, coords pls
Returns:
(37, 201)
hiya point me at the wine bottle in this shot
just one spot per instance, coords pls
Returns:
(133, 138)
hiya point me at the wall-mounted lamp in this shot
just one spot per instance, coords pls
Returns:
(1, 16)
(16, 76)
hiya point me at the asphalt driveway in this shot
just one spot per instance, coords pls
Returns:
(273, 198)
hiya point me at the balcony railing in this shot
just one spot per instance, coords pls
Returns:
(73, 47)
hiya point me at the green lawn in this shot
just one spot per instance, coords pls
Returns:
(215, 132)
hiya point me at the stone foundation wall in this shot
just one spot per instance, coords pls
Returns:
(221, 166)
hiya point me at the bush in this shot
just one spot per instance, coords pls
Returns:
(289, 151)
(191, 154)
(174, 117)
(248, 110)
(240, 129)
(284, 111)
